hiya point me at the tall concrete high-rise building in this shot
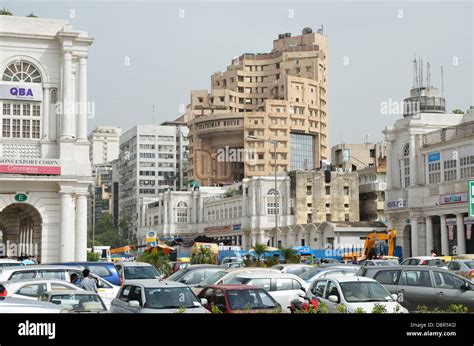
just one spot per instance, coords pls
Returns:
(280, 96)
(104, 144)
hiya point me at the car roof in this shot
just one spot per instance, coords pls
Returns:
(38, 266)
(152, 283)
(134, 264)
(422, 257)
(9, 260)
(399, 266)
(204, 266)
(76, 292)
(86, 262)
(286, 265)
(234, 287)
(34, 280)
(349, 278)
(10, 301)
(269, 275)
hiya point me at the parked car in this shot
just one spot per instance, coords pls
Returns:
(323, 261)
(8, 262)
(136, 271)
(10, 305)
(156, 296)
(296, 268)
(33, 288)
(75, 300)
(194, 274)
(462, 267)
(423, 285)
(282, 287)
(175, 266)
(378, 262)
(224, 275)
(354, 292)
(327, 271)
(106, 290)
(423, 261)
(238, 298)
(106, 270)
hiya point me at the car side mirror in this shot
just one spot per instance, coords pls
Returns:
(134, 304)
(465, 286)
(333, 298)
(204, 301)
(395, 297)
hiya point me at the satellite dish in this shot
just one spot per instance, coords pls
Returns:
(184, 131)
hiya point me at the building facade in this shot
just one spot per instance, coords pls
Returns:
(279, 96)
(104, 144)
(45, 171)
(100, 197)
(430, 161)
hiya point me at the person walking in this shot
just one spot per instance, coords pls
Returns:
(88, 283)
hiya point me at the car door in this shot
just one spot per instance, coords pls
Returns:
(30, 292)
(331, 290)
(120, 304)
(208, 294)
(415, 288)
(105, 290)
(449, 290)
(318, 288)
(220, 302)
(135, 294)
(388, 278)
(284, 292)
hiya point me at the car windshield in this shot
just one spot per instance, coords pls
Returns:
(140, 272)
(250, 299)
(310, 273)
(470, 264)
(10, 264)
(78, 302)
(358, 292)
(170, 298)
(178, 275)
(213, 279)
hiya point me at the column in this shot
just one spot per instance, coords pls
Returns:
(414, 236)
(429, 234)
(413, 164)
(165, 216)
(252, 199)
(288, 197)
(46, 115)
(67, 126)
(66, 230)
(254, 239)
(244, 200)
(81, 228)
(444, 236)
(82, 114)
(461, 250)
(194, 211)
(389, 165)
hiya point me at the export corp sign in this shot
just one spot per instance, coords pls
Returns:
(28, 166)
(24, 92)
(453, 198)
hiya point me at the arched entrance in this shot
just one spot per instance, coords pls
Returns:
(20, 226)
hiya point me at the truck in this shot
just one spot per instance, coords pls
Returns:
(382, 243)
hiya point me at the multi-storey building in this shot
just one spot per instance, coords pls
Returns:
(100, 198)
(104, 144)
(45, 171)
(430, 157)
(266, 110)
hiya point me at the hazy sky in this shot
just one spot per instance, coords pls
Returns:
(371, 45)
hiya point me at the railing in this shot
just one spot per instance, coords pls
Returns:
(449, 133)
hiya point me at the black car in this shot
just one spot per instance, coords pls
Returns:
(415, 286)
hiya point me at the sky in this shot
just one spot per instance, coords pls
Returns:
(148, 52)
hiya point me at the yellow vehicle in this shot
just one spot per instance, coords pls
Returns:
(374, 240)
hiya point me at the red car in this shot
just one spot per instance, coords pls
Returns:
(238, 298)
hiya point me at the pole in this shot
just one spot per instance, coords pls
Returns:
(277, 201)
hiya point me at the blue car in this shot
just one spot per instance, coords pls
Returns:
(106, 270)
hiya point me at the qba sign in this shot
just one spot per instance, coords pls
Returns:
(30, 91)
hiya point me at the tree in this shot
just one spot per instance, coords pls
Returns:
(159, 260)
(92, 256)
(125, 228)
(259, 250)
(106, 233)
(32, 15)
(457, 111)
(203, 256)
(5, 12)
(289, 254)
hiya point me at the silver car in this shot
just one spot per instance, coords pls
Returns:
(23, 306)
(156, 296)
(136, 271)
(78, 301)
(293, 268)
(32, 289)
(462, 267)
(323, 272)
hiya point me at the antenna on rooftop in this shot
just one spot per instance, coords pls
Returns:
(428, 75)
(415, 72)
(421, 73)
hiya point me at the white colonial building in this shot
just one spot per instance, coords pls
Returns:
(430, 161)
(45, 170)
(243, 213)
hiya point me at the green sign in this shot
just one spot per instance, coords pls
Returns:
(470, 192)
(21, 197)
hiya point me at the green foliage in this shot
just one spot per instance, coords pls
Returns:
(271, 261)
(323, 308)
(422, 308)
(259, 250)
(453, 308)
(277, 310)
(159, 260)
(181, 310)
(379, 309)
(341, 308)
(457, 111)
(215, 309)
(397, 309)
(458, 308)
(289, 254)
(359, 310)
(5, 12)
(32, 15)
(203, 256)
(106, 233)
(92, 256)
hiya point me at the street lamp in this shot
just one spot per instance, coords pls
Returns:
(277, 201)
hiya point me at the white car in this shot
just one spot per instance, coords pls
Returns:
(282, 287)
(128, 270)
(355, 292)
(23, 306)
(7, 262)
(32, 289)
(293, 268)
(423, 261)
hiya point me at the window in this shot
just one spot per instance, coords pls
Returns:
(32, 291)
(51, 274)
(346, 217)
(273, 202)
(328, 217)
(318, 288)
(328, 190)
(467, 167)
(261, 283)
(301, 151)
(434, 172)
(182, 212)
(284, 284)
(21, 71)
(346, 190)
(447, 280)
(331, 290)
(388, 277)
(450, 173)
(418, 278)
(405, 166)
(60, 287)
